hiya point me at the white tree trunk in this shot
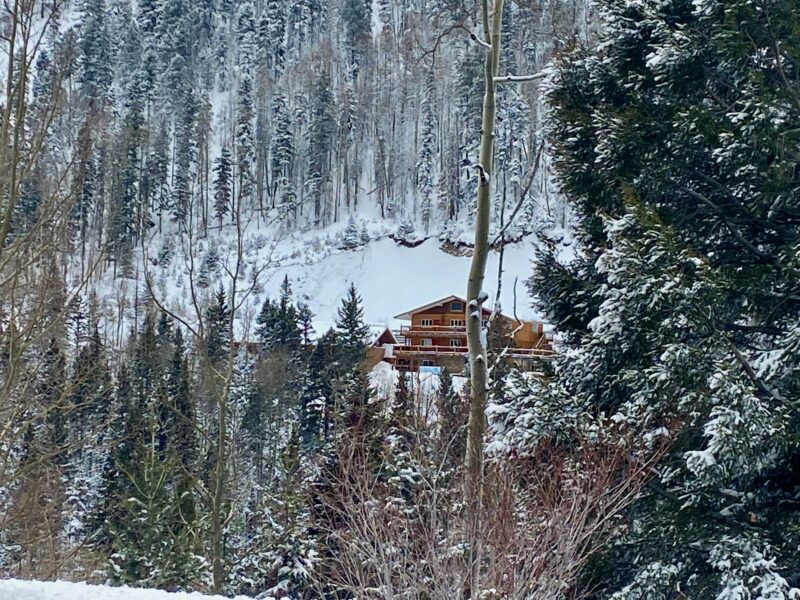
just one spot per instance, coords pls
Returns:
(476, 297)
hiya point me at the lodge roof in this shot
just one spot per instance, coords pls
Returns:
(406, 316)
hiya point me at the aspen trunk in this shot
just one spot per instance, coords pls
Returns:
(475, 297)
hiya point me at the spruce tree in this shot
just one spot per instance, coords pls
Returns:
(322, 130)
(218, 327)
(352, 330)
(425, 162)
(282, 150)
(245, 143)
(95, 52)
(222, 184)
(670, 139)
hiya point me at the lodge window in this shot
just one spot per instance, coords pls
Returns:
(427, 363)
(455, 343)
(427, 342)
(456, 322)
(485, 323)
(427, 322)
(456, 306)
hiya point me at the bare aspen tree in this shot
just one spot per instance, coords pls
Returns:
(217, 375)
(491, 18)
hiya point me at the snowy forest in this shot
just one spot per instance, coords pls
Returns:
(207, 207)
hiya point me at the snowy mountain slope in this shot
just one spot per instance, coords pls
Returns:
(390, 277)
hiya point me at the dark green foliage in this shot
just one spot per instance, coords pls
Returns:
(222, 184)
(357, 17)
(218, 327)
(278, 326)
(95, 52)
(147, 512)
(671, 140)
(317, 400)
(352, 330)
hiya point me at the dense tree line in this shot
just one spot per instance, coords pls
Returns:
(178, 115)
(116, 462)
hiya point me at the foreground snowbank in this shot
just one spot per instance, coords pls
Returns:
(15, 589)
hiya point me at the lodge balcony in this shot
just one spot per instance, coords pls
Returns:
(428, 350)
(407, 331)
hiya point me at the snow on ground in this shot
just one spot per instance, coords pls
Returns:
(391, 278)
(15, 589)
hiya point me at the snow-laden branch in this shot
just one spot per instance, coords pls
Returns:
(518, 78)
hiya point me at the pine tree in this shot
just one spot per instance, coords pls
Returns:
(351, 237)
(95, 52)
(218, 327)
(282, 150)
(272, 30)
(147, 511)
(317, 397)
(452, 419)
(245, 143)
(322, 129)
(670, 151)
(425, 162)
(305, 323)
(277, 322)
(246, 32)
(357, 18)
(352, 329)
(222, 184)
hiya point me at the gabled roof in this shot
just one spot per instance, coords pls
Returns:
(376, 332)
(406, 316)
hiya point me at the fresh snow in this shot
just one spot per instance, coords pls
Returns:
(16, 589)
(391, 278)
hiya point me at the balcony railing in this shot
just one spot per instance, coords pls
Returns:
(401, 351)
(437, 330)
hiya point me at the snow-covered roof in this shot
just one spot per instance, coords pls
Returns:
(376, 331)
(406, 316)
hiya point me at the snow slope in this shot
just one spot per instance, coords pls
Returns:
(15, 589)
(390, 277)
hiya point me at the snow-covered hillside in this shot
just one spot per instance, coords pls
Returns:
(390, 277)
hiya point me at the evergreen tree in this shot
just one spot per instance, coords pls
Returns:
(282, 150)
(425, 162)
(147, 511)
(321, 139)
(351, 237)
(218, 327)
(222, 184)
(246, 32)
(305, 322)
(452, 419)
(670, 141)
(352, 329)
(245, 143)
(272, 31)
(357, 18)
(277, 323)
(317, 397)
(95, 52)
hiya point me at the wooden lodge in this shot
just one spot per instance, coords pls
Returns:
(436, 336)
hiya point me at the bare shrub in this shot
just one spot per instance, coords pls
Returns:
(398, 529)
